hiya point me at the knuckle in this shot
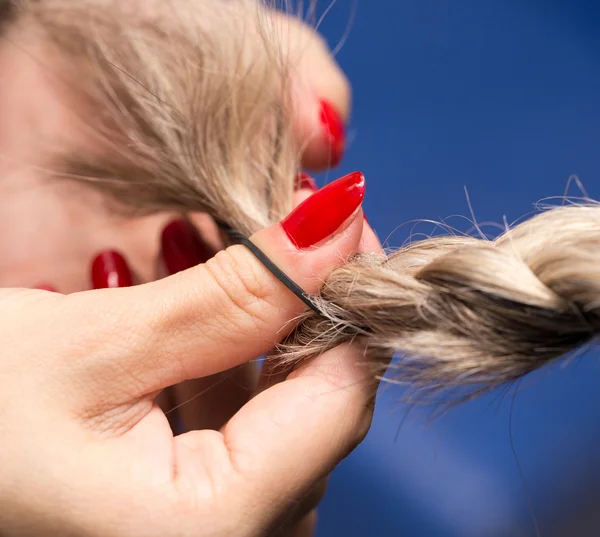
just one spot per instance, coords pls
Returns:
(247, 293)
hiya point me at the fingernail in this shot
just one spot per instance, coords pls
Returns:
(321, 215)
(182, 248)
(303, 180)
(334, 132)
(109, 270)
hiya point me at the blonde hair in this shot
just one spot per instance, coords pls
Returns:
(191, 116)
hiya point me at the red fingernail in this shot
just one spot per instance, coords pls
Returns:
(334, 131)
(321, 215)
(182, 247)
(303, 180)
(46, 287)
(110, 270)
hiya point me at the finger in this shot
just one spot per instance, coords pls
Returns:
(209, 402)
(220, 314)
(305, 185)
(320, 130)
(303, 427)
(182, 247)
(291, 435)
(320, 92)
(273, 371)
(369, 242)
(110, 270)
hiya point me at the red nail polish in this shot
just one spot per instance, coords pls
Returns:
(182, 248)
(334, 131)
(321, 215)
(303, 180)
(109, 270)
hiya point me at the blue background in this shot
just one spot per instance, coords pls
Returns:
(501, 97)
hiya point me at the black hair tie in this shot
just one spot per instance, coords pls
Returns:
(237, 238)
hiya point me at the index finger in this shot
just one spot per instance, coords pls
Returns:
(321, 93)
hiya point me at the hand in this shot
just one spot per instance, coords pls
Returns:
(211, 401)
(51, 230)
(87, 452)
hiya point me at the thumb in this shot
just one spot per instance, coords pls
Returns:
(223, 313)
(321, 94)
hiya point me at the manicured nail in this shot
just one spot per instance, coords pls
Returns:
(321, 215)
(110, 270)
(303, 180)
(182, 247)
(334, 132)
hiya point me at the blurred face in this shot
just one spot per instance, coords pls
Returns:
(51, 227)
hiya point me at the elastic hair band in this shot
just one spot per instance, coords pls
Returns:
(238, 238)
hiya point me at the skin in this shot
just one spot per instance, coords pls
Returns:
(79, 386)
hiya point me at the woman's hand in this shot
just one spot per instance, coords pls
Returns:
(86, 451)
(50, 231)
